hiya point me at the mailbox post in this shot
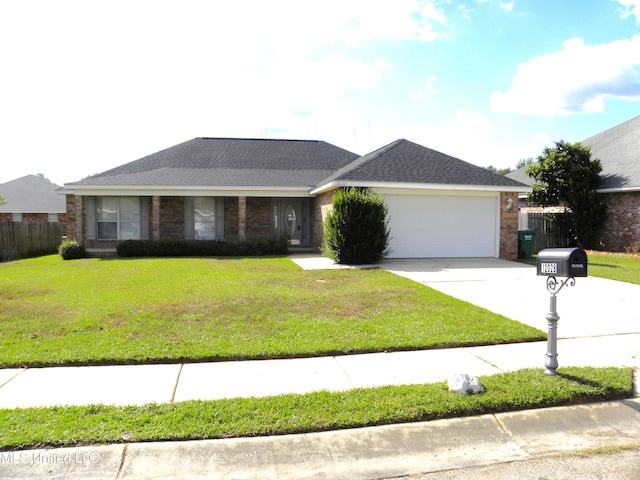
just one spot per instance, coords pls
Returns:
(552, 263)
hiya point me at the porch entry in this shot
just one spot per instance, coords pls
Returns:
(291, 216)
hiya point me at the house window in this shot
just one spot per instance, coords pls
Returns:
(16, 217)
(118, 218)
(52, 217)
(204, 218)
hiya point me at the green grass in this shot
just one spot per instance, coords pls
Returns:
(286, 414)
(620, 267)
(92, 311)
(624, 268)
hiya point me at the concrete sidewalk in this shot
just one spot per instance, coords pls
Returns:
(365, 453)
(140, 384)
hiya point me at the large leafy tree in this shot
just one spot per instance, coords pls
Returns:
(566, 175)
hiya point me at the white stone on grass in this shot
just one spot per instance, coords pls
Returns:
(464, 384)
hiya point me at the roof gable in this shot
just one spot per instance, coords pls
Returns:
(406, 162)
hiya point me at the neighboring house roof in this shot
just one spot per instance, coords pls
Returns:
(31, 194)
(618, 150)
(403, 162)
(302, 165)
(520, 175)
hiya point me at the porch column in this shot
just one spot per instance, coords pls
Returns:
(242, 217)
(70, 230)
(155, 217)
(81, 218)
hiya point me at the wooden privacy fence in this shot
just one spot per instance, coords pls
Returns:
(29, 239)
(550, 233)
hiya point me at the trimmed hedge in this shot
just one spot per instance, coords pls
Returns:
(71, 250)
(202, 248)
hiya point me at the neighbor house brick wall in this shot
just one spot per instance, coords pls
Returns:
(320, 208)
(622, 228)
(32, 217)
(508, 227)
(35, 217)
(172, 218)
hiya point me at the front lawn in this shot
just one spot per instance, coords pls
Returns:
(95, 311)
(624, 268)
(59, 426)
(614, 266)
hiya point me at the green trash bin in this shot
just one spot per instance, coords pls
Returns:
(525, 243)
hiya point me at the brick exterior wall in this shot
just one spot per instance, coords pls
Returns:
(172, 218)
(622, 228)
(33, 217)
(508, 227)
(154, 218)
(320, 206)
(75, 220)
(231, 217)
(258, 218)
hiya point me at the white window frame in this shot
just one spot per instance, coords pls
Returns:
(127, 224)
(204, 218)
(211, 209)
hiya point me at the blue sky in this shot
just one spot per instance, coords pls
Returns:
(90, 85)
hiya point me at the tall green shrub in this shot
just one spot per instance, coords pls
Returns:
(356, 231)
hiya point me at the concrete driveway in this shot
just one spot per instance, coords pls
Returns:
(593, 307)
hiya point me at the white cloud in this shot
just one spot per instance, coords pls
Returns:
(470, 123)
(465, 12)
(382, 64)
(507, 7)
(463, 136)
(629, 8)
(137, 76)
(540, 137)
(577, 79)
(425, 89)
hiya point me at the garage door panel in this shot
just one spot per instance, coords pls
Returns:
(442, 226)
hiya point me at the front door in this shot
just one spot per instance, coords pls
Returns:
(291, 219)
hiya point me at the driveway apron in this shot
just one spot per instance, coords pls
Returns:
(592, 307)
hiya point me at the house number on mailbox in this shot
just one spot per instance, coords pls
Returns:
(549, 268)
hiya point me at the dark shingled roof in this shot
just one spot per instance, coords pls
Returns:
(296, 164)
(406, 162)
(619, 152)
(230, 162)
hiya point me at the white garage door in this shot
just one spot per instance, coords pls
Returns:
(425, 226)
